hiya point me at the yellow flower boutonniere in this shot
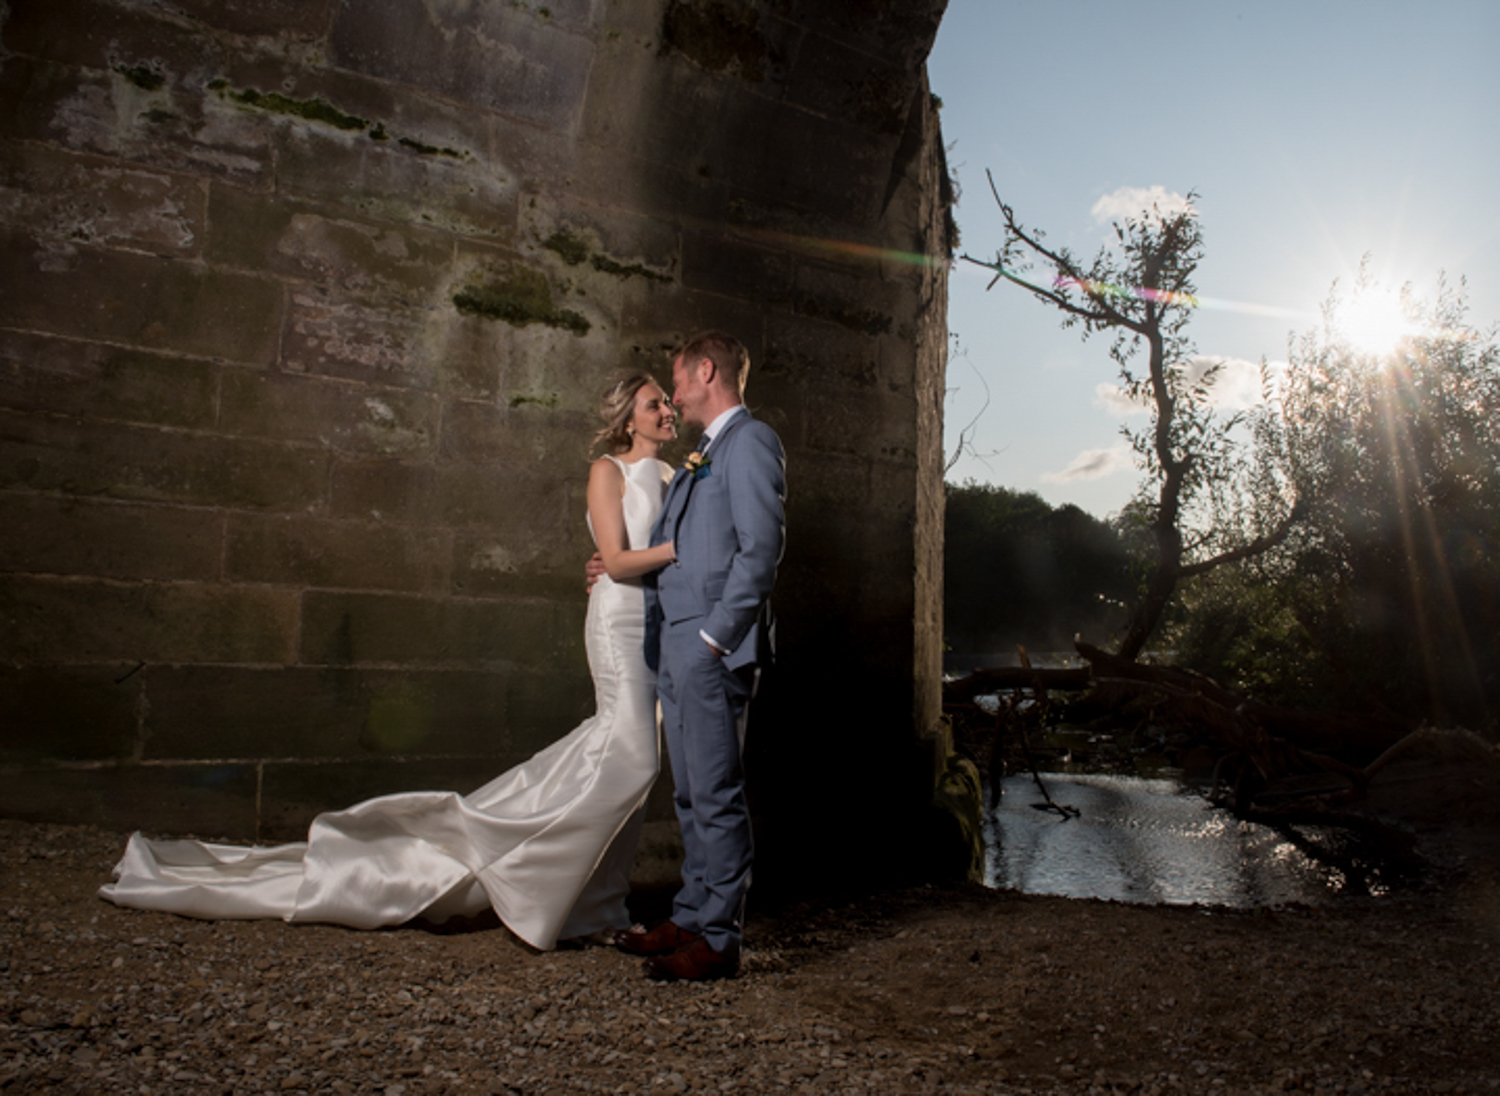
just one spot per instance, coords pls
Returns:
(697, 464)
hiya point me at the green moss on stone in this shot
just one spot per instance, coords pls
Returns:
(606, 265)
(521, 298)
(572, 249)
(143, 76)
(548, 401)
(429, 150)
(314, 110)
(159, 117)
(378, 133)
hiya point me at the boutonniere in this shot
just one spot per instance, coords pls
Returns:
(697, 464)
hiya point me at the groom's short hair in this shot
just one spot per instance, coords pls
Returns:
(727, 353)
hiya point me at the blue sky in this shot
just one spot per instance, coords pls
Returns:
(1314, 132)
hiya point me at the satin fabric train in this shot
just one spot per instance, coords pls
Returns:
(547, 845)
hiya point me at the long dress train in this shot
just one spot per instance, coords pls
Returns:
(548, 844)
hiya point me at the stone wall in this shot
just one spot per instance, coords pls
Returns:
(304, 311)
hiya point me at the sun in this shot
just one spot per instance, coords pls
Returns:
(1374, 320)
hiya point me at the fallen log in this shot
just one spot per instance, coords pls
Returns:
(982, 682)
(1360, 735)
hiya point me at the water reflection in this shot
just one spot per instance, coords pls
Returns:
(1149, 841)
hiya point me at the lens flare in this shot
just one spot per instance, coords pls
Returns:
(1373, 321)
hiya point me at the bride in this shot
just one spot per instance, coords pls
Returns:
(547, 845)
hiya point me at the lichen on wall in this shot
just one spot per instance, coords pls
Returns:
(518, 297)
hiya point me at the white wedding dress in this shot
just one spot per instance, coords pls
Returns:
(548, 845)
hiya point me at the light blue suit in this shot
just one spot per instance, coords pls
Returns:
(728, 523)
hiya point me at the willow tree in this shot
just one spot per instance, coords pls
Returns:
(1139, 290)
(1393, 577)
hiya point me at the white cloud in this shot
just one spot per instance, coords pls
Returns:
(1235, 388)
(1113, 399)
(1093, 464)
(1137, 201)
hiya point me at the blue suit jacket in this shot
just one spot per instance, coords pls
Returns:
(729, 525)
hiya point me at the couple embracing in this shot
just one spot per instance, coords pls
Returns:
(708, 629)
(679, 613)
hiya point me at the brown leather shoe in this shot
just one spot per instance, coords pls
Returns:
(694, 962)
(665, 938)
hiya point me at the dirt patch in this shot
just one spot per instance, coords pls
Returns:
(917, 990)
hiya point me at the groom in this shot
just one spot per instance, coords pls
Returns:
(708, 628)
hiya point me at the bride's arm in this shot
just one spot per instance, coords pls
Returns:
(607, 513)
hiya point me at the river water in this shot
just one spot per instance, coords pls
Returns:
(1150, 841)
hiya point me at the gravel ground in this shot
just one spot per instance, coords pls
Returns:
(918, 990)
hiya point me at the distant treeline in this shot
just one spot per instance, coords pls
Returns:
(1017, 570)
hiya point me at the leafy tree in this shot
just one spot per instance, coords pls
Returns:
(1016, 570)
(1141, 292)
(1393, 579)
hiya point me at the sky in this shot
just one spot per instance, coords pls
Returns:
(1314, 132)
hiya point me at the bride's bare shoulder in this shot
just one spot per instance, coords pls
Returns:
(606, 474)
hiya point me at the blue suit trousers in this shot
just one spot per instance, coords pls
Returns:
(704, 707)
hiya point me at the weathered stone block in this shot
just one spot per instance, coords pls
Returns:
(86, 458)
(510, 59)
(662, 318)
(340, 336)
(742, 41)
(139, 300)
(336, 414)
(557, 342)
(71, 536)
(314, 551)
(83, 620)
(829, 77)
(513, 502)
(897, 31)
(543, 706)
(631, 84)
(870, 422)
(294, 19)
(97, 34)
(352, 629)
(307, 242)
(827, 494)
(808, 351)
(461, 193)
(488, 563)
(468, 357)
(599, 246)
(386, 490)
(61, 196)
(42, 373)
(528, 438)
(212, 800)
(905, 367)
(784, 160)
(105, 111)
(67, 713)
(853, 300)
(292, 794)
(323, 713)
(728, 265)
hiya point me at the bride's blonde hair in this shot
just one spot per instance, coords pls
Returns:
(616, 407)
